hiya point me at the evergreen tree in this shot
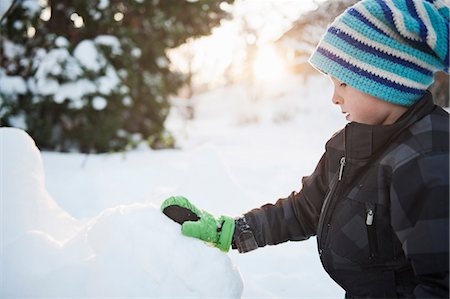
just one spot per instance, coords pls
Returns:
(94, 75)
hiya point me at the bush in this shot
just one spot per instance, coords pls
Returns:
(93, 76)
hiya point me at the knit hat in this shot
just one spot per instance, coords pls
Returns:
(389, 49)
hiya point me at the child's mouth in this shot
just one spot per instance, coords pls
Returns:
(347, 115)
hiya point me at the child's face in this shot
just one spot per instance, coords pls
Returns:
(363, 108)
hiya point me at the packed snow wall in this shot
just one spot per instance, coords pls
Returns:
(125, 251)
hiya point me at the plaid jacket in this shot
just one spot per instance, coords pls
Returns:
(378, 202)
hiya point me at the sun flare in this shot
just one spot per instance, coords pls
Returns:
(268, 65)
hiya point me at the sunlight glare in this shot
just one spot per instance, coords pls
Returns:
(225, 55)
(118, 16)
(31, 31)
(46, 14)
(77, 20)
(268, 64)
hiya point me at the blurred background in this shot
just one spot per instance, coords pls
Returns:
(104, 75)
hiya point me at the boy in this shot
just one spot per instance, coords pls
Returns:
(378, 198)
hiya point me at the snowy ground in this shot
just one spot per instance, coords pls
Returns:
(236, 155)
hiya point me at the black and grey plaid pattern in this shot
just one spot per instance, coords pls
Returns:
(243, 238)
(382, 230)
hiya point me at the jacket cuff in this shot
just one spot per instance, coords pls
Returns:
(243, 238)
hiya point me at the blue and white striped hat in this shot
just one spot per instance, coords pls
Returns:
(389, 49)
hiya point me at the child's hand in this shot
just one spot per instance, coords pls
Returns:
(198, 223)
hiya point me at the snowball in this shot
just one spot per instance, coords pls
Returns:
(126, 251)
(140, 252)
(99, 103)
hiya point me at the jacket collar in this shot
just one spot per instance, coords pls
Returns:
(362, 141)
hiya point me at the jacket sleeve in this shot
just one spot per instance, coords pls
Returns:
(293, 218)
(419, 216)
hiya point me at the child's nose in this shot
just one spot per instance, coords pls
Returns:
(336, 100)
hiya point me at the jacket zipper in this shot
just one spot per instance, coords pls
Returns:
(371, 230)
(341, 168)
(369, 218)
(326, 207)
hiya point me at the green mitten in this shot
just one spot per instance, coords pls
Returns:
(198, 223)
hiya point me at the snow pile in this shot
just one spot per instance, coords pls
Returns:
(26, 205)
(125, 251)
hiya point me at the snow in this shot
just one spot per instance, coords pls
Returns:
(4, 5)
(93, 222)
(99, 103)
(31, 7)
(60, 64)
(110, 41)
(136, 52)
(12, 50)
(12, 85)
(106, 84)
(103, 4)
(161, 62)
(125, 251)
(30, 208)
(126, 101)
(74, 91)
(61, 42)
(54, 63)
(18, 121)
(86, 53)
(18, 25)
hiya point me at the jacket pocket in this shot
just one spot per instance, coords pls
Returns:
(353, 233)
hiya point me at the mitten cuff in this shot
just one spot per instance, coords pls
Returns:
(226, 231)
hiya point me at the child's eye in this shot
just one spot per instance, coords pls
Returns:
(343, 84)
